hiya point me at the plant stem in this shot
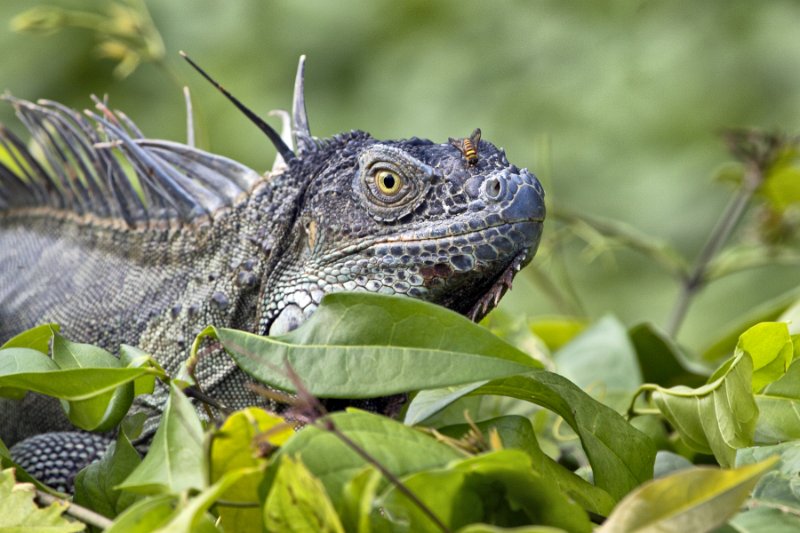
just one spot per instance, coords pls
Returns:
(394, 480)
(83, 514)
(719, 236)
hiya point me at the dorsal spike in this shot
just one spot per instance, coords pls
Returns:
(302, 134)
(286, 134)
(273, 135)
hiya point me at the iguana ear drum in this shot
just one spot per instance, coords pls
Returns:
(390, 183)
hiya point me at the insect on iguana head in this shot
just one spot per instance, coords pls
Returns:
(450, 223)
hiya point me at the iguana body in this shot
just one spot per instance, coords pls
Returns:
(206, 240)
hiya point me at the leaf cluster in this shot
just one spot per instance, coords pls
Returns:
(572, 463)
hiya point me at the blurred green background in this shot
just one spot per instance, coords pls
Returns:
(616, 106)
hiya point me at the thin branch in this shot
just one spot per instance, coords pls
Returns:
(719, 236)
(328, 425)
(83, 514)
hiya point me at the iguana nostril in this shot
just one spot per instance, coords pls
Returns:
(493, 189)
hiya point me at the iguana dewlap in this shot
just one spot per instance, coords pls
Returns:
(123, 239)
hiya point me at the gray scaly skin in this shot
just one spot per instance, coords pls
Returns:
(210, 241)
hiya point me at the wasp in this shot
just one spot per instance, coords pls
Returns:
(469, 146)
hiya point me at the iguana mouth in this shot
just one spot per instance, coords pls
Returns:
(501, 284)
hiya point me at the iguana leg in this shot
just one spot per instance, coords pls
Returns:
(56, 458)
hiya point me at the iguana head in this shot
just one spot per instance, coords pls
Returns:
(407, 217)
(450, 223)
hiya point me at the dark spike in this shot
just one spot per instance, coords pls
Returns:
(273, 135)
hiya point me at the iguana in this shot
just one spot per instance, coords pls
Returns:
(120, 238)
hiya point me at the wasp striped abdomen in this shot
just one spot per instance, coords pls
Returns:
(469, 146)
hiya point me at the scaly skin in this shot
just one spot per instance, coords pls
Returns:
(407, 217)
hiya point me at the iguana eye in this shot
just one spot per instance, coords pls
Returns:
(389, 182)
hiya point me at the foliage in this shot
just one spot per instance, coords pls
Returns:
(555, 425)
(363, 472)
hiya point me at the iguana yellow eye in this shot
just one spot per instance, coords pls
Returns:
(389, 183)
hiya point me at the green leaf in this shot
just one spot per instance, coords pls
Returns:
(765, 520)
(19, 513)
(621, 456)
(778, 487)
(235, 447)
(782, 187)
(359, 345)
(602, 361)
(175, 461)
(662, 361)
(27, 369)
(358, 496)
(717, 418)
(37, 338)
(486, 528)
(516, 432)
(768, 311)
(499, 487)
(779, 409)
(429, 402)
(556, 332)
(104, 411)
(771, 349)
(95, 485)
(193, 517)
(145, 516)
(297, 501)
(399, 448)
(696, 499)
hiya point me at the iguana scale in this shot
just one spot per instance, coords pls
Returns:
(124, 239)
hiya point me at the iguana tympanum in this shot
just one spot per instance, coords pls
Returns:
(120, 238)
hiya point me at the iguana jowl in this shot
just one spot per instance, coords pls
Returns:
(123, 239)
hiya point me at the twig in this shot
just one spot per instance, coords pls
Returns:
(83, 514)
(309, 406)
(719, 236)
(328, 425)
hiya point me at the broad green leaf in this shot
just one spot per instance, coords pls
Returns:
(145, 516)
(557, 331)
(621, 456)
(602, 361)
(782, 187)
(662, 361)
(669, 463)
(779, 408)
(430, 402)
(768, 311)
(19, 513)
(37, 338)
(133, 357)
(771, 349)
(175, 461)
(95, 485)
(358, 497)
(516, 432)
(359, 345)
(486, 528)
(297, 501)
(193, 517)
(235, 447)
(696, 499)
(500, 486)
(764, 520)
(400, 449)
(102, 412)
(778, 487)
(717, 418)
(27, 369)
